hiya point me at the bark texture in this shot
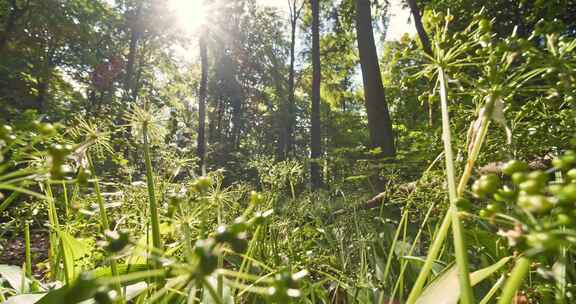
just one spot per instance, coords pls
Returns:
(422, 35)
(379, 122)
(315, 145)
(201, 149)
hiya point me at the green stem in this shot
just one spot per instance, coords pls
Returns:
(219, 277)
(245, 260)
(292, 190)
(391, 251)
(515, 280)
(27, 250)
(215, 296)
(66, 202)
(154, 218)
(473, 156)
(451, 217)
(459, 241)
(493, 290)
(404, 263)
(28, 258)
(104, 222)
(55, 237)
(430, 258)
(8, 201)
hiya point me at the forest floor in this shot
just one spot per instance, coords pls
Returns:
(12, 250)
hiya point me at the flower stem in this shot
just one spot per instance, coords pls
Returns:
(467, 296)
(430, 258)
(515, 280)
(154, 218)
(104, 222)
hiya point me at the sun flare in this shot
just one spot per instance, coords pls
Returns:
(190, 13)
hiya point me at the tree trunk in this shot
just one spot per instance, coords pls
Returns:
(315, 145)
(379, 122)
(236, 117)
(41, 101)
(423, 36)
(201, 150)
(130, 92)
(294, 16)
(420, 27)
(129, 78)
(283, 111)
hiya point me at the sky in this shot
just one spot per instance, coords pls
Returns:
(399, 17)
(190, 14)
(399, 21)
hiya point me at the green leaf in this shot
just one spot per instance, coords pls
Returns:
(105, 272)
(82, 289)
(227, 297)
(102, 272)
(419, 261)
(480, 275)
(15, 277)
(25, 298)
(446, 290)
(74, 250)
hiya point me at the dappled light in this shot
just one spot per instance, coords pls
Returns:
(287, 151)
(190, 14)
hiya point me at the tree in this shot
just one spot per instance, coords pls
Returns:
(15, 13)
(379, 122)
(315, 144)
(419, 26)
(509, 16)
(201, 149)
(285, 139)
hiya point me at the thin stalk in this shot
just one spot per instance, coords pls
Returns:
(561, 279)
(451, 216)
(54, 232)
(66, 201)
(292, 190)
(391, 250)
(154, 218)
(467, 296)
(493, 290)
(245, 260)
(475, 151)
(215, 296)
(8, 201)
(219, 277)
(430, 258)
(404, 263)
(514, 282)
(104, 222)
(28, 258)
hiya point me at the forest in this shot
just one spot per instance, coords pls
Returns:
(288, 151)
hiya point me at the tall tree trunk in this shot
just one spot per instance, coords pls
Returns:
(201, 150)
(283, 111)
(130, 92)
(379, 122)
(41, 98)
(129, 78)
(316, 144)
(420, 27)
(44, 78)
(295, 12)
(236, 116)
(423, 36)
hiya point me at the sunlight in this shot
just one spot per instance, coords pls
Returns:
(190, 13)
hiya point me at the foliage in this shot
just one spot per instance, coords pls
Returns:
(97, 156)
